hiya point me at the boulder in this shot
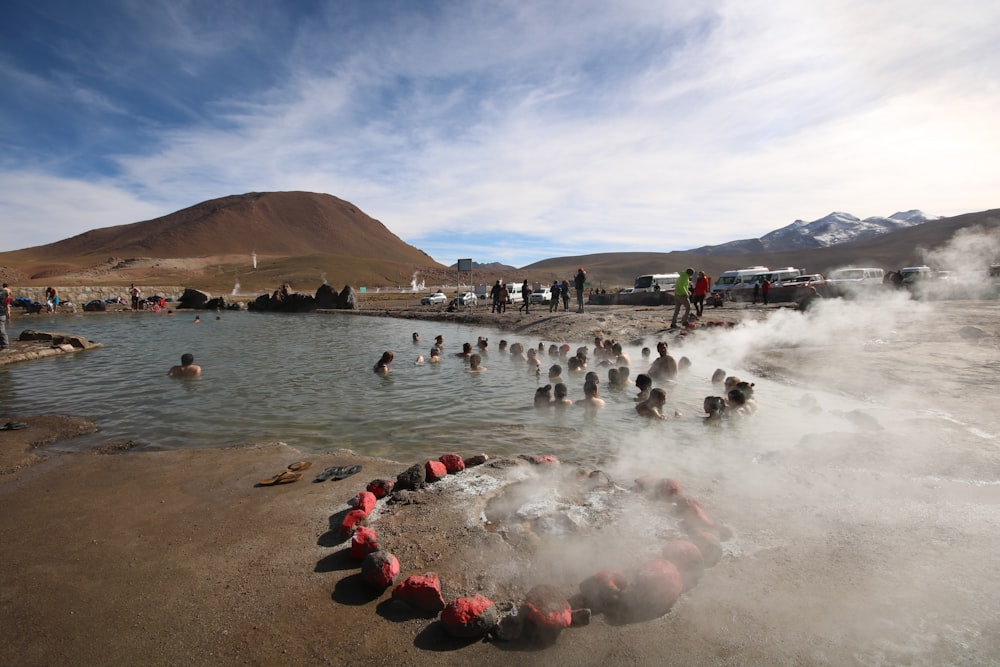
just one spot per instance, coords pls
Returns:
(656, 588)
(326, 298)
(95, 306)
(435, 471)
(364, 501)
(193, 298)
(363, 542)
(218, 303)
(470, 617)
(547, 611)
(350, 522)
(475, 460)
(604, 590)
(709, 545)
(379, 569)
(422, 591)
(452, 462)
(412, 479)
(380, 488)
(687, 558)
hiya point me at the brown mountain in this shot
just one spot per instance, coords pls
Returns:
(905, 247)
(298, 237)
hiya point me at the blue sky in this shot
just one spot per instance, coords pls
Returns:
(501, 131)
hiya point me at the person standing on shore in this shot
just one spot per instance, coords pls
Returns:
(682, 298)
(525, 301)
(4, 314)
(504, 298)
(579, 282)
(756, 291)
(564, 293)
(700, 292)
(765, 289)
(134, 292)
(554, 297)
(495, 297)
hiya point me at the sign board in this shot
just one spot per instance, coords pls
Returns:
(465, 265)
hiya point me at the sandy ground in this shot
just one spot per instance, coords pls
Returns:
(121, 557)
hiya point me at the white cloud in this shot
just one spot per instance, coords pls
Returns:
(624, 128)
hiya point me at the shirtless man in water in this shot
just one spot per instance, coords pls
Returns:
(187, 369)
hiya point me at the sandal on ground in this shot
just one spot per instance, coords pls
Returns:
(283, 477)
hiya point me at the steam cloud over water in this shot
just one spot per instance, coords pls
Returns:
(863, 495)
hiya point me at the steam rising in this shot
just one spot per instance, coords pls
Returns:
(862, 495)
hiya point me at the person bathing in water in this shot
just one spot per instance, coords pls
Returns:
(652, 406)
(382, 366)
(187, 369)
(475, 364)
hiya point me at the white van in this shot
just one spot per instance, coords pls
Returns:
(514, 292)
(857, 276)
(738, 279)
(656, 282)
(778, 276)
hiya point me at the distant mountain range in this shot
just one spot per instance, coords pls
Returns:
(827, 231)
(257, 241)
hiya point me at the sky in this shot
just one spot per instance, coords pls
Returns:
(501, 130)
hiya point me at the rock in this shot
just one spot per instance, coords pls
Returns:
(475, 460)
(693, 516)
(350, 522)
(413, 478)
(379, 569)
(709, 545)
(687, 558)
(470, 617)
(581, 617)
(435, 471)
(380, 488)
(363, 542)
(218, 303)
(972, 333)
(603, 591)
(422, 591)
(364, 501)
(95, 306)
(547, 611)
(452, 462)
(510, 627)
(193, 298)
(327, 299)
(657, 586)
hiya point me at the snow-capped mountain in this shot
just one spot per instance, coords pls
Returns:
(829, 230)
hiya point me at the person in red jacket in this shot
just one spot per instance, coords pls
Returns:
(700, 292)
(765, 289)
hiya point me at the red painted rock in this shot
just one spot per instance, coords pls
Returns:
(453, 463)
(379, 569)
(380, 488)
(693, 516)
(657, 586)
(667, 488)
(546, 608)
(603, 590)
(364, 501)
(471, 616)
(350, 522)
(687, 558)
(709, 545)
(422, 591)
(363, 542)
(435, 471)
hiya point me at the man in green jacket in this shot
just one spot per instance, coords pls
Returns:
(682, 298)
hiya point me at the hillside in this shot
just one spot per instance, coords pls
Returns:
(298, 237)
(901, 248)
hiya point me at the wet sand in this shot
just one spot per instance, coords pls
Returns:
(122, 557)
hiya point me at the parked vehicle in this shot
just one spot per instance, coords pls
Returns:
(433, 299)
(737, 279)
(466, 299)
(858, 276)
(541, 295)
(779, 276)
(514, 292)
(806, 280)
(656, 282)
(913, 274)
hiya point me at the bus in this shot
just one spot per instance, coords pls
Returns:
(656, 282)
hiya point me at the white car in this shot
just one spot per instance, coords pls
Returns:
(543, 295)
(466, 299)
(432, 299)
